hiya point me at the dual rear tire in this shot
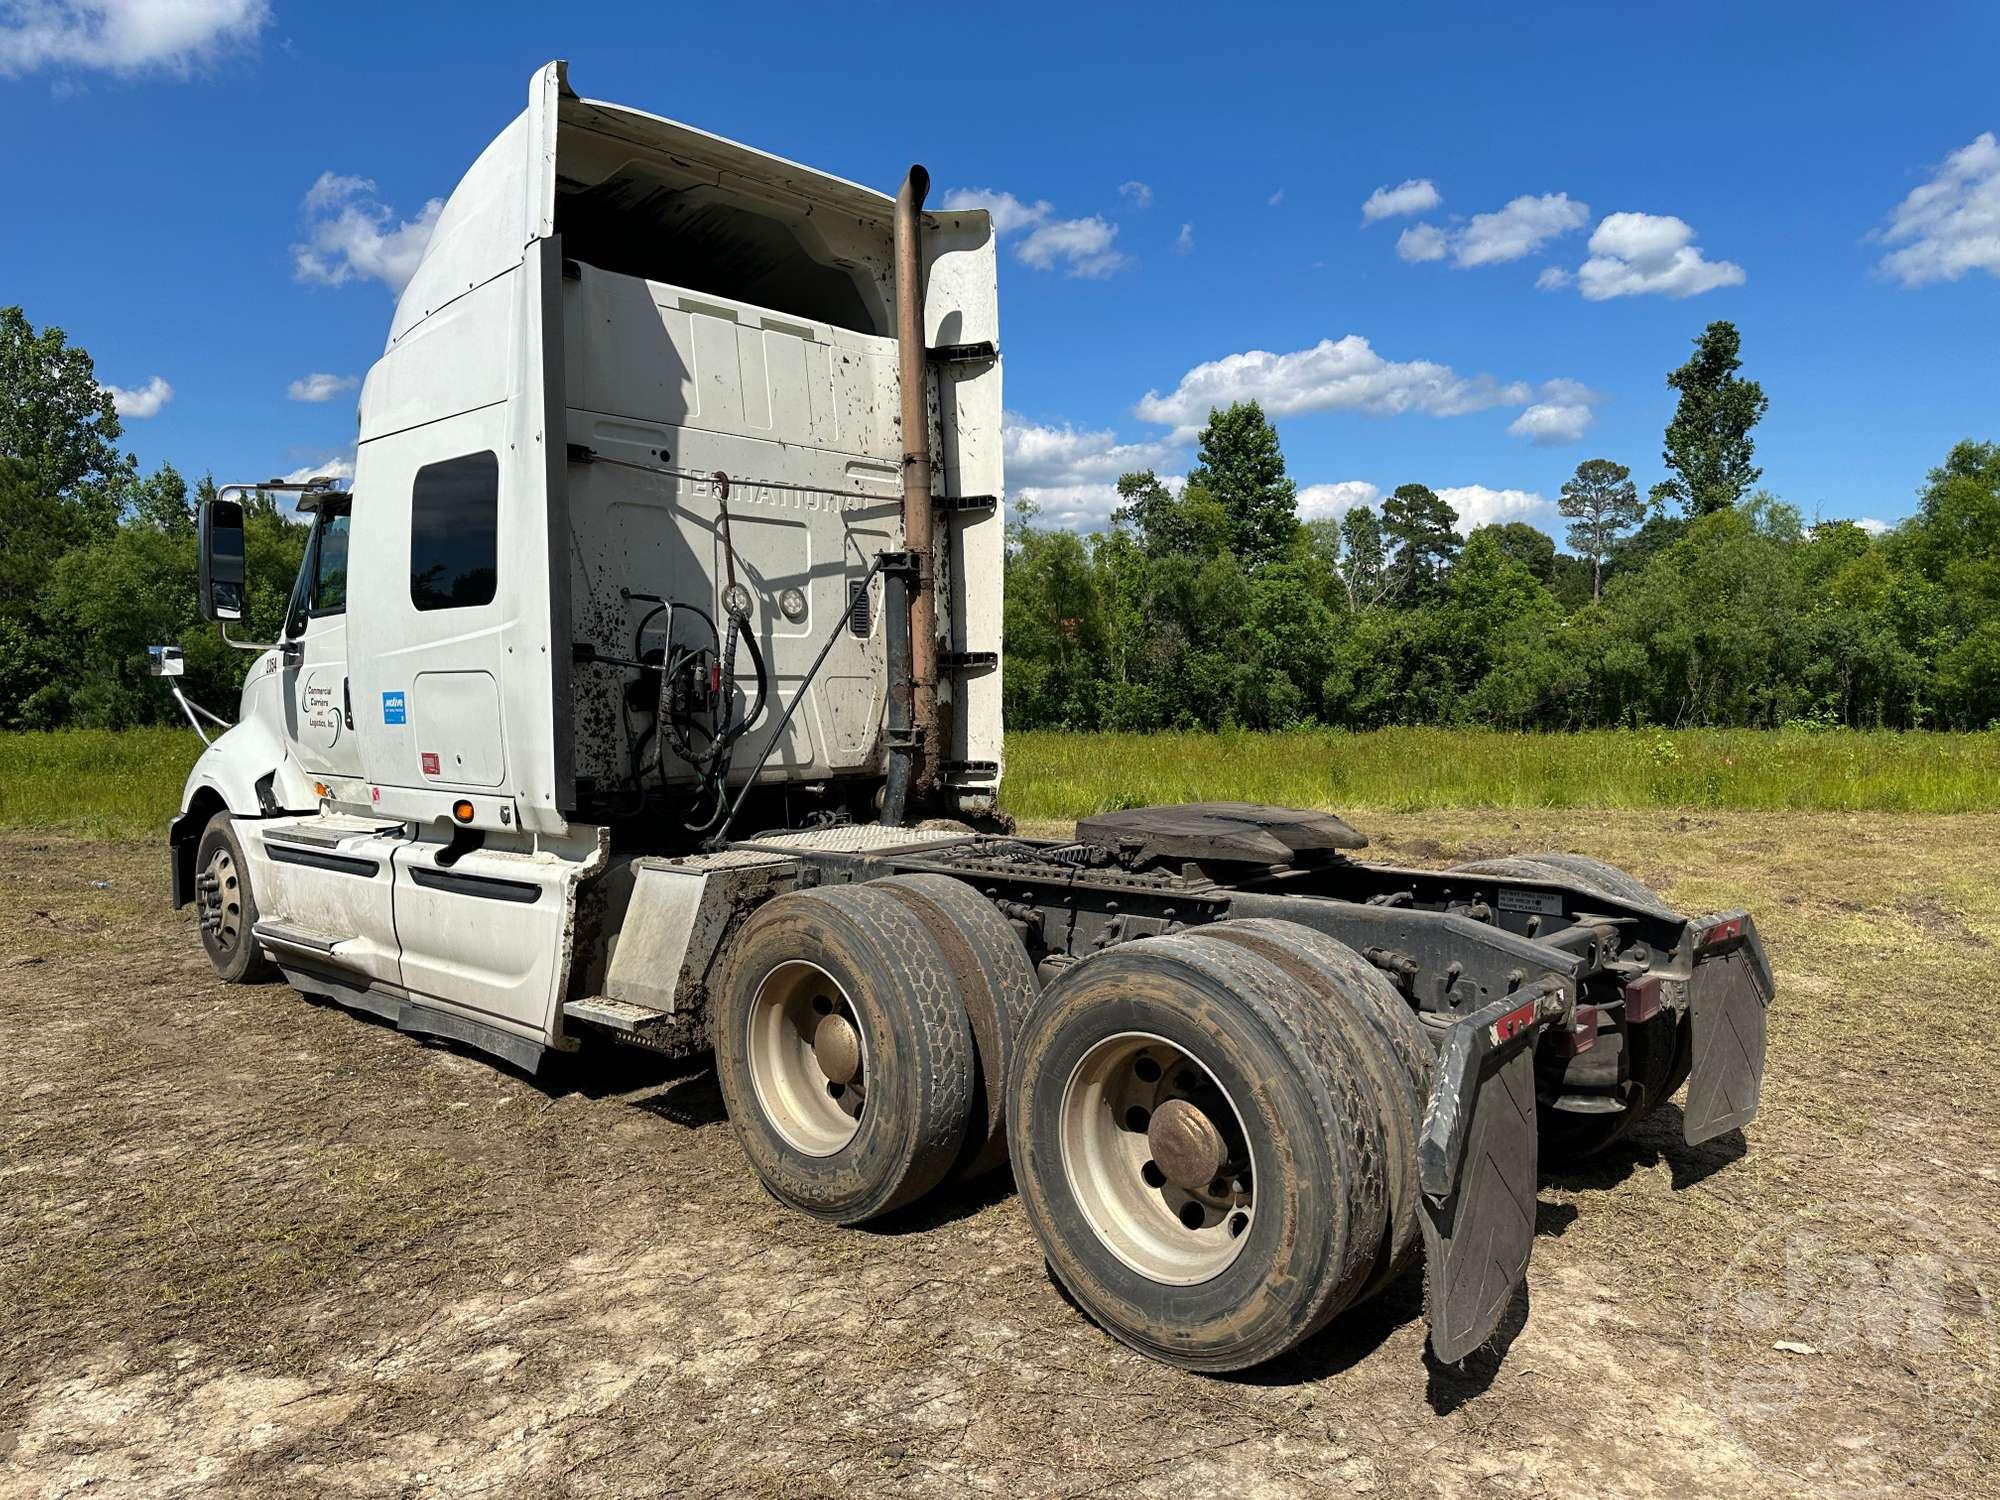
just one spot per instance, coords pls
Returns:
(861, 1033)
(1214, 1133)
(1214, 1138)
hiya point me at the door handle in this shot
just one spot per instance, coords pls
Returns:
(347, 702)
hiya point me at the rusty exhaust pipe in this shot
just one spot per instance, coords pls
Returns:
(912, 370)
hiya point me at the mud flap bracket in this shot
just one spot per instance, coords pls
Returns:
(1476, 1163)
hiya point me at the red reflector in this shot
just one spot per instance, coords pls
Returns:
(715, 678)
(1514, 1022)
(1722, 932)
(1642, 999)
(1583, 1029)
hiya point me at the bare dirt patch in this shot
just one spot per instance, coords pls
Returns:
(250, 1243)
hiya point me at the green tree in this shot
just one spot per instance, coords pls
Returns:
(1192, 523)
(57, 421)
(1240, 464)
(160, 501)
(1601, 504)
(1421, 529)
(1363, 559)
(1708, 444)
(1530, 546)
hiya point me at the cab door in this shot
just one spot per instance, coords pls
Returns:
(319, 699)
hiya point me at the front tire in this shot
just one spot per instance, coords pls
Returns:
(227, 907)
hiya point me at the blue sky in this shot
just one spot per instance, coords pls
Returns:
(215, 196)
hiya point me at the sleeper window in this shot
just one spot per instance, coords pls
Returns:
(455, 532)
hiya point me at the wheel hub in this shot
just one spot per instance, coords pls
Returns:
(808, 1058)
(1186, 1145)
(837, 1048)
(220, 892)
(1156, 1155)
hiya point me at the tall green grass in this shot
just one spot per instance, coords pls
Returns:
(105, 783)
(1064, 776)
(127, 785)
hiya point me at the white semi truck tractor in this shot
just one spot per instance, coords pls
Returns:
(643, 689)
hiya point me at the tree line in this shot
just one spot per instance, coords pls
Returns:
(97, 560)
(1706, 602)
(1709, 601)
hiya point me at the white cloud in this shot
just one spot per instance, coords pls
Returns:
(1184, 241)
(1476, 505)
(1071, 474)
(340, 469)
(1334, 375)
(1082, 247)
(1632, 254)
(1414, 195)
(1421, 242)
(1326, 502)
(142, 401)
(351, 234)
(1009, 213)
(125, 36)
(1275, 199)
(1553, 279)
(1870, 525)
(1951, 224)
(320, 386)
(1138, 194)
(1550, 424)
(1523, 226)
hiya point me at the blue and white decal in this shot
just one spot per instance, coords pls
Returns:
(392, 709)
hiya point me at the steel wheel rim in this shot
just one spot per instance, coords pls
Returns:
(787, 1041)
(1165, 1231)
(222, 901)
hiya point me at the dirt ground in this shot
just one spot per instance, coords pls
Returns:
(254, 1244)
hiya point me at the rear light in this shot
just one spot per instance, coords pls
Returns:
(1721, 932)
(1583, 1029)
(1513, 1023)
(462, 810)
(1642, 999)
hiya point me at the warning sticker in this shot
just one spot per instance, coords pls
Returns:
(1547, 903)
(430, 763)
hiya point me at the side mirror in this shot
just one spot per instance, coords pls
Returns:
(165, 661)
(221, 552)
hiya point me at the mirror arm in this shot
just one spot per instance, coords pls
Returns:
(230, 640)
(192, 709)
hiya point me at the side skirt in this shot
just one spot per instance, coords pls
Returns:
(396, 1006)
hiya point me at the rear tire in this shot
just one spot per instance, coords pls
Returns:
(1143, 1069)
(998, 984)
(227, 907)
(843, 1052)
(1383, 1033)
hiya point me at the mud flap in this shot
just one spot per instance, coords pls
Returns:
(1727, 1001)
(1477, 1163)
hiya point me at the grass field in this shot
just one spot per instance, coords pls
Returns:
(127, 784)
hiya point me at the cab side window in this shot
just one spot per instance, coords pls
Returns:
(329, 588)
(455, 532)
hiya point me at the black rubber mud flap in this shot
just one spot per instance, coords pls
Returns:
(1477, 1164)
(1728, 998)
